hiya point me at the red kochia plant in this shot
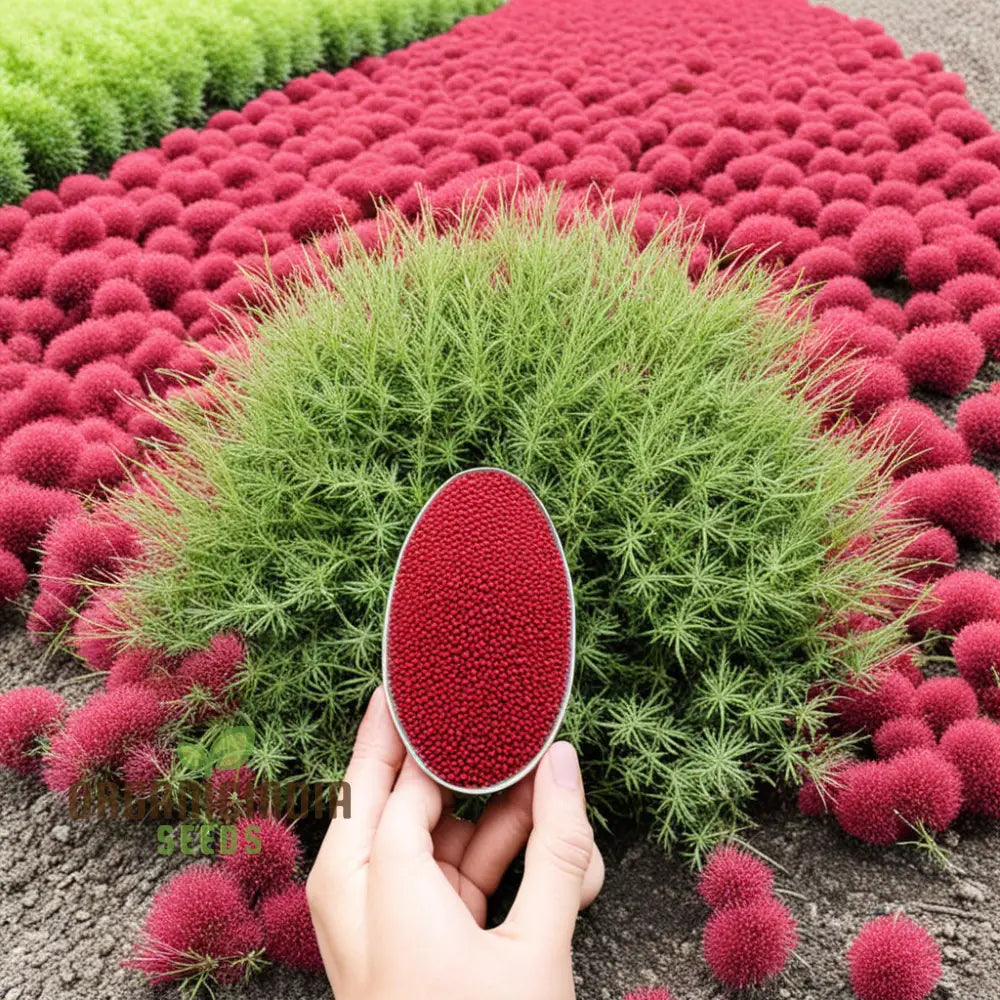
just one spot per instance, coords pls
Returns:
(27, 715)
(882, 241)
(973, 746)
(865, 805)
(921, 436)
(965, 596)
(199, 924)
(747, 945)
(943, 357)
(893, 958)
(732, 877)
(965, 499)
(928, 788)
(977, 653)
(100, 733)
(481, 581)
(978, 421)
(941, 701)
(863, 704)
(289, 936)
(904, 733)
(270, 868)
(649, 993)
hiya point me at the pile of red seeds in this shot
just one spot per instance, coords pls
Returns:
(479, 631)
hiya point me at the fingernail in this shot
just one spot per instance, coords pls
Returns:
(565, 766)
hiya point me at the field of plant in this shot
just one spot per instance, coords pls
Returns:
(82, 83)
(696, 279)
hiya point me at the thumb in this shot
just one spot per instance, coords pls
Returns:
(558, 854)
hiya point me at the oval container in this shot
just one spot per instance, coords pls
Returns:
(557, 721)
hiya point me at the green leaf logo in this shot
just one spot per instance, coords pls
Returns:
(232, 747)
(193, 756)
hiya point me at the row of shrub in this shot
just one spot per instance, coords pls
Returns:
(82, 83)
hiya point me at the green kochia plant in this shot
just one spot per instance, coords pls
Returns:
(659, 422)
(83, 81)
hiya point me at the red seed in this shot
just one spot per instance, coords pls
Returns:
(479, 631)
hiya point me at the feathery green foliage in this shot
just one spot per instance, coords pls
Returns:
(83, 81)
(686, 476)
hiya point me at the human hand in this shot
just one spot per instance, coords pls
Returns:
(398, 892)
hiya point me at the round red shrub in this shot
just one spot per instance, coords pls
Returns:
(269, 869)
(978, 421)
(930, 555)
(965, 499)
(163, 277)
(40, 318)
(27, 716)
(929, 267)
(944, 357)
(940, 701)
(882, 241)
(928, 309)
(865, 805)
(977, 653)
(823, 263)
(928, 788)
(864, 703)
(117, 296)
(44, 453)
(649, 993)
(28, 511)
(79, 228)
(200, 916)
(919, 437)
(957, 599)
(969, 293)
(816, 798)
(895, 736)
(844, 291)
(732, 877)
(893, 958)
(873, 383)
(289, 936)
(25, 275)
(772, 237)
(985, 323)
(747, 945)
(13, 576)
(100, 733)
(973, 746)
(72, 281)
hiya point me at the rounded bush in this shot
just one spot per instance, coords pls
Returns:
(748, 945)
(893, 958)
(446, 327)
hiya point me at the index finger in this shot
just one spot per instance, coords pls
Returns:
(376, 761)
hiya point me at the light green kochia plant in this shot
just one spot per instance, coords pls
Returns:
(679, 455)
(83, 81)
